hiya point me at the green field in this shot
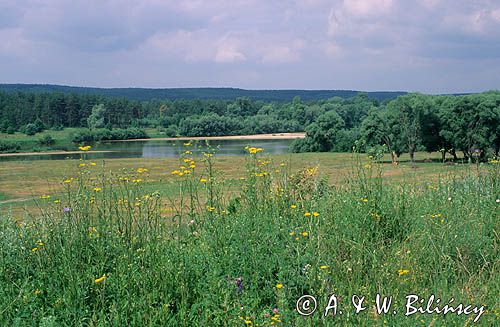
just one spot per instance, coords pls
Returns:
(235, 241)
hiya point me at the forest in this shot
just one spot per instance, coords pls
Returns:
(465, 125)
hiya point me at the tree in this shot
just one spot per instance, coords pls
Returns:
(380, 127)
(96, 118)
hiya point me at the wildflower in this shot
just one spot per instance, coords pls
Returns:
(82, 165)
(368, 166)
(100, 279)
(239, 284)
(276, 311)
(39, 243)
(67, 181)
(208, 155)
(85, 148)
(364, 200)
(57, 201)
(97, 189)
(210, 209)
(45, 197)
(279, 286)
(175, 172)
(497, 201)
(307, 214)
(324, 267)
(188, 143)
(192, 166)
(315, 214)
(137, 180)
(203, 180)
(296, 238)
(93, 164)
(305, 234)
(402, 272)
(34, 249)
(142, 170)
(293, 206)
(37, 292)
(292, 233)
(188, 152)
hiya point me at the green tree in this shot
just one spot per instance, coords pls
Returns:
(96, 118)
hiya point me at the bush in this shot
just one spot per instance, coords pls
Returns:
(6, 146)
(104, 135)
(30, 129)
(10, 130)
(46, 140)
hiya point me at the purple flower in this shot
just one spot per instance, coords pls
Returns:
(66, 209)
(239, 284)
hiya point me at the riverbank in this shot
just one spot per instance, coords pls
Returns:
(277, 136)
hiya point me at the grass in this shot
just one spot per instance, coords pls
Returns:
(148, 247)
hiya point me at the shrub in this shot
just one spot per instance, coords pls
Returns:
(46, 140)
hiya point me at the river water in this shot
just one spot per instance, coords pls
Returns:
(162, 149)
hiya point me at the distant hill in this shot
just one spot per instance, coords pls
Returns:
(144, 94)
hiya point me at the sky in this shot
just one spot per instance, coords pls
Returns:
(430, 46)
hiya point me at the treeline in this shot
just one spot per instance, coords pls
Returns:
(410, 123)
(205, 93)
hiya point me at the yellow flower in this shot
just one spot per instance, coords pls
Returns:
(208, 155)
(254, 150)
(279, 286)
(82, 165)
(192, 166)
(365, 200)
(292, 233)
(97, 189)
(100, 279)
(37, 291)
(305, 234)
(368, 166)
(85, 148)
(67, 181)
(315, 214)
(39, 243)
(296, 238)
(57, 201)
(34, 249)
(293, 206)
(210, 209)
(137, 180)
(142, 170)
(188, 152)
(203, 180)
(402, 272)
(307, 214)
(175, 172)
(45, 197)
(93, 164)
(324, 267)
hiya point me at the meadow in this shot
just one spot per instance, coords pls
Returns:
(233, 241)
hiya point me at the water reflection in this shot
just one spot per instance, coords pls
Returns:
(162, 149)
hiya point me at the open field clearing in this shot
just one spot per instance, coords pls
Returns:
(237, 241)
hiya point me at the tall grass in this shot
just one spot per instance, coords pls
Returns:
(111, 251)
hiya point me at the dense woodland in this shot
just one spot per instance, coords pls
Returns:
(469, 124)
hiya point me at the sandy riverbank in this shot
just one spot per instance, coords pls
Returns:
(277, 136)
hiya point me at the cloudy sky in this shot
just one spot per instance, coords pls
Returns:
(431, 46)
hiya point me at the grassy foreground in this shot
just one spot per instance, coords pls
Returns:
(110, 249)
